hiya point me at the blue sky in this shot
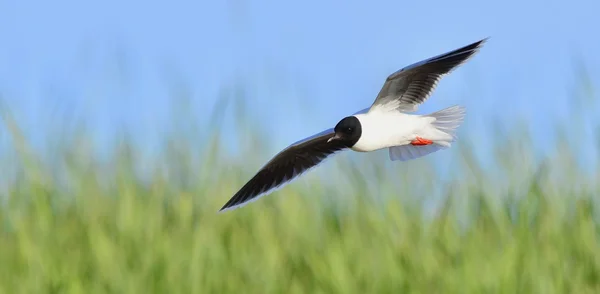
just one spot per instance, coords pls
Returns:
(306, 63)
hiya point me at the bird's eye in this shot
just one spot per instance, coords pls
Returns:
(348, 130)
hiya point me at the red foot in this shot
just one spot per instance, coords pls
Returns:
(420, 142)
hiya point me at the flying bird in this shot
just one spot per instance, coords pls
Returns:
(385, 124)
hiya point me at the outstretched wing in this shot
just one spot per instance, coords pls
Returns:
(407, 88)
(286, 166)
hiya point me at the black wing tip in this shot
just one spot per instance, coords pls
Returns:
(228, 206)
(480, 42)
(235, 200)
(224, 208)
(461, 55)
(475, 46)
(468, 50)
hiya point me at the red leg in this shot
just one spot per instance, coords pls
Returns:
(420, 142)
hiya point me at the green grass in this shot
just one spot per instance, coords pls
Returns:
(80, 225)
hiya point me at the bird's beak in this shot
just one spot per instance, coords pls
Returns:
(335, 137)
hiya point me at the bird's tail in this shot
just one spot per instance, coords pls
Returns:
(446, 123)
(440, 135)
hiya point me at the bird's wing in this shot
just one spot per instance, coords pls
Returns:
(407, 88)
(286, 166)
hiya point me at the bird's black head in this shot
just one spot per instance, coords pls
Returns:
(348, 131)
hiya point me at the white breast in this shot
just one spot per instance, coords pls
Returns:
(386, 129)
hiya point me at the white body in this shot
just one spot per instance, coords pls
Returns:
(383, 128)
(387, 129)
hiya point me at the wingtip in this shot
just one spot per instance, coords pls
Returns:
(235, 203)
(472, 49)
(475, 46)
(481, 42)
(226, 207)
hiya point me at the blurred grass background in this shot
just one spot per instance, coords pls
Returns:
(518, 222)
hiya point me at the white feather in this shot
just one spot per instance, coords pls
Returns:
(409, 152)
(383, 129)
(442, 131)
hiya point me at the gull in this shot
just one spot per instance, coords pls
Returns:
(387, 123)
